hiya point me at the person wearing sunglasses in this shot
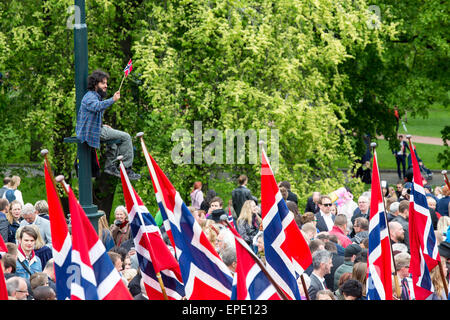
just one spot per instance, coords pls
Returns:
(325, 219)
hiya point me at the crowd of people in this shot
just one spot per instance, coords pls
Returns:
(337, 236)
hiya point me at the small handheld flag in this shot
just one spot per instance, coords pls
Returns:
(126, 72)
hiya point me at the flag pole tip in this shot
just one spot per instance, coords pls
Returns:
(59, 178)
(408, 136)
(44, 152)
(373, 144)
(120, 158)
(261, 142)
(224, 217)
(139, 134)
(444, 172)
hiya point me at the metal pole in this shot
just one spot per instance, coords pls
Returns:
(83, 150)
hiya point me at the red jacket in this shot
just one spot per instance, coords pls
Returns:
(343, 239)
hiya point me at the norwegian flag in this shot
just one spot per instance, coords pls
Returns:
(153, 254)
(250, 282)
(61, 240)
(3, 290)
(96, 279)
(379, 254)
(205, 275)
(422, 241)
(287, 253)
(128, 68)
(230, 217)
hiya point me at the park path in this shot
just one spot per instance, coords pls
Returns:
(425, 140)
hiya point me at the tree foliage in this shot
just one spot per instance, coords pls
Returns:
(321, 73)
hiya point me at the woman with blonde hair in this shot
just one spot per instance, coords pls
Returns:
(249, 221)
(436, 279)
(13, 216)
(211, 231)
(443, 227)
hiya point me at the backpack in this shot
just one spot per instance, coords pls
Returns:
(9, 195)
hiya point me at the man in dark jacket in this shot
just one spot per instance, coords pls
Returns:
(312, 204)
(241, 194)
(291, 196)
(3, 220)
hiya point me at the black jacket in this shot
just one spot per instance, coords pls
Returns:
(238, 197)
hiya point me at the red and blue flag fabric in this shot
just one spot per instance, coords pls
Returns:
(422, 240)
(153, 254)
(205, 275)
(128, 68)
(95, 278)
(230, 218)
(61, 240)
(379, 280)
(287, 253)
(250, 282)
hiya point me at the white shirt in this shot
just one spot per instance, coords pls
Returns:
(328, 220)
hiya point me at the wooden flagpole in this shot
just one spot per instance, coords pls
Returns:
(123, 78)
(398, 290)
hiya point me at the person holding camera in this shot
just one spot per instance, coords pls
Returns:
(120, 230)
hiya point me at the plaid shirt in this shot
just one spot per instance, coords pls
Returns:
(89, 118)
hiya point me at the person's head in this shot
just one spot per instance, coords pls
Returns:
(284, 193)
(242, 180)
(225, 239)
(344, 277)
(330, 246)
(29, 213)
(12, 248)
(121, 214)
(322, 262)
(38, 279)
(41, 207)
(397, 234)
(228, 256)
(39, 241)
(197, 185)
(9, 263)
(325, 295)
(325, 204)
(129, 274)
(260, 243)
(431, 203)
(316, 245)
(403, 209)
(17, 288)
(44, 293)
(310, 230)
(285, 184)
(15, 210)
(98, 81)
(341, 222)
(293, 207)
(400, 137)
(393, 208)
(27, 239)
(351, 251)
(215, 203)
(3, 205)
(6, 180)
(333, 209)
(351, 289)
(361, 224)
(442, 225)
(308, 217)
(14, 182)
(116, 260)
(445, 191)
(402, 261)
(49, 269)
(363, 204)
(248, 211)
(316, 196)
(359, 273)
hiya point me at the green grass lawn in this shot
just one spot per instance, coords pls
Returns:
(437, 119)
(427, 152)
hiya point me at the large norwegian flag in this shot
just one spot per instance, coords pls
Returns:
(97, 278)
(250, 282)
(287, 253)
(3, 290)
(61, 240)
(422, 241)
(379, 254)
(205, 275)
(153, 254)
